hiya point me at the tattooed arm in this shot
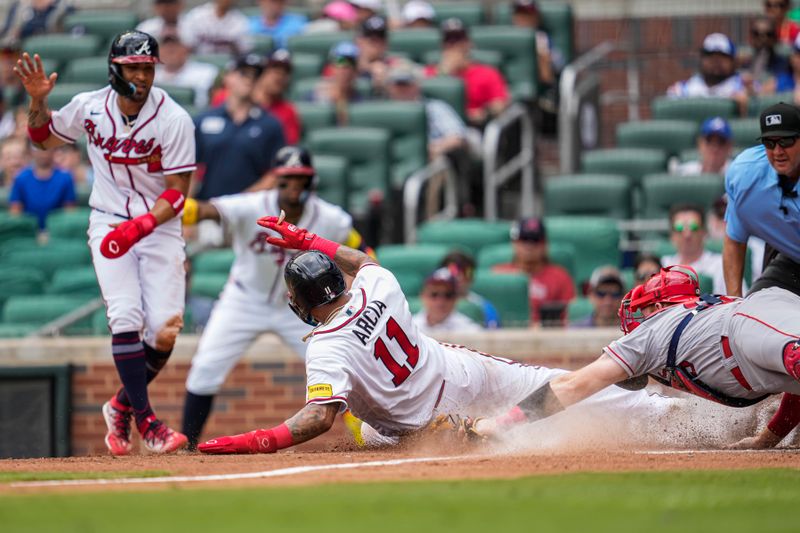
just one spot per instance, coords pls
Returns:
(312, 421)
(38, 85)
(350, 259)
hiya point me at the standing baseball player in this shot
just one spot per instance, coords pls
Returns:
(141, 146)
(254, 299)
(365, 353)
(729, 350)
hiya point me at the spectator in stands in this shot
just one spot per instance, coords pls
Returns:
(340, 87)
(169, 16)
(15, 154)
(366, 9)
(486, 90)
(270, 93)
(717, 76)
(419, 14)
(525, 14)
(374, 61)
(439, 298)
(606, 290)
(716, 231)
(217, 27)
(7, 123)
(179, 70)
(688, 235)
(551, 288)
(41, 188)
(777, 10)
(760, 64)
(67, 157)
(645, 266)
(275, 22)
(336, 16)
(446, 131)
(237, 141)
(790, 80)
(462, 266)
(714, 146)
(27, 18)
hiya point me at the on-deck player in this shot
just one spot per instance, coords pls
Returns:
(366, 353)
(729, 350)
(141, 146)
(254, 299)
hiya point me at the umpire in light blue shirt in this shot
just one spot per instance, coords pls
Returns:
(763, 202)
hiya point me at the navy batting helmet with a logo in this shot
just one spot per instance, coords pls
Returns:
(128, 48)
(313, 280)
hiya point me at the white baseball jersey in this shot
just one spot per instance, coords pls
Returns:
(129, 163)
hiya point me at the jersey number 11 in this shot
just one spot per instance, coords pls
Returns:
(399, 372)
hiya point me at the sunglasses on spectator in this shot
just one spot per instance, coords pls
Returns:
(344, 61)
(783, 142)
(607, 294)
(680, 226)
(449, 295)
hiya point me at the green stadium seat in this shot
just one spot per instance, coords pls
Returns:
(62, 47)
(88, 70)
(220, 61)
(745, 131)
(470, 13)
(694, 109)
(408, 125)
(213, 261)
(17, 227)
(39, 310)
(368, 154)
(12, 331)
(410, 281)
(333, 185)
(472, 310)
(632, 162)
(492, 58)
(100, 322)
(208, 284)
(318, 44)
(414, 42)
(306, 66)
(508, 293)
(518, 46)
(448, 89)
(105, 24)
(262, 44)
(556, 19)
(564, 255)
(757, 104)
(315, 115)
(418, 258)
(62, 93)
(414, 303)
(669, 135)
(594, 239)
(49, 258)
(20, 281)
(470, 233)
(578, 309)
(662, 191)
(303, 90)
(183, 96)
(606, 195)
(76, 281)
(68, 224)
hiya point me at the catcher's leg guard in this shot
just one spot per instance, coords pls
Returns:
(791, 358)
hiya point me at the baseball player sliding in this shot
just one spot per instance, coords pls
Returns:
(729, 350)
(254, 299)
(141, 146)
(365, 353)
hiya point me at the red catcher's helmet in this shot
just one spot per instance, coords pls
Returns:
(673, 284)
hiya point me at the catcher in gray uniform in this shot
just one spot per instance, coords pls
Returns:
(729, 350)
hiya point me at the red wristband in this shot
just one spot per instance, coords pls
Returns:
(283, 436)
(511, 418)
(40, 134)
(175, 199)
(787, 416)
(324, 245)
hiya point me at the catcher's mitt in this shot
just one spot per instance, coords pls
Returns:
(462, 427)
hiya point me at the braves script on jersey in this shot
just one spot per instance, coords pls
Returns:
(129, 163)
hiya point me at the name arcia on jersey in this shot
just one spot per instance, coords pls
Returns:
(368, 320)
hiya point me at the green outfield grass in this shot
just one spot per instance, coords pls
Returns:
(10, 477)
(704, 501)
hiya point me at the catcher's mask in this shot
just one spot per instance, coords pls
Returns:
(673, 284)
(128, 48)
(313, 280)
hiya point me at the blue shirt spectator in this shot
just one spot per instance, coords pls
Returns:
(39, 190)
(276, 23)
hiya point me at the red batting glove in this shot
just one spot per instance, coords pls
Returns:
(295, 238)
(258, 441)
(120, 239)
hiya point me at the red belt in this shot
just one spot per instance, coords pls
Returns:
(736, 371)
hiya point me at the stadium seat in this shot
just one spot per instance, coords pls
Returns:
(105, 24)
(315, 115)
(414, 42)
(472, 310)
(303, 90)
(745, 131)
(213, 261)
(556, 19)
(508, 293)
(492, 58)
(448, 89)
(470, 233)
(220, 61)
(100, 322)
(470, 13)
(669, 135)
(68, 224)
(62, 93)
(588, 194)
(63, 47)
(368, 154)
(594, 239)
(262, 44)
(17, 227)
(49, 258)
(410, 281)
(408, 125)
(88, 70)
(306, 66)
(75, 281)
(632, 162)
(11, 331)
(662, 191)
(563, 254)
(419, 258)
(208, 284)
(694, 109)
(20, 281)
(39, 310)
(578, 309)
(757, 104)
(318, 44)
(518, 46)
(333, 185)
(183, 96)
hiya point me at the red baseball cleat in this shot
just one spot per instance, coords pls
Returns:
(118, 438)
(158, 438)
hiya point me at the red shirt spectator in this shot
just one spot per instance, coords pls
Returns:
(287, 115)
(270, 92)
(483, 85)
(778, 10)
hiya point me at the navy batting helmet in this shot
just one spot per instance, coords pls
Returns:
(313, 280)
(295, 161)
(128, 48)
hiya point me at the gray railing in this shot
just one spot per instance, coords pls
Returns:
(440, 177)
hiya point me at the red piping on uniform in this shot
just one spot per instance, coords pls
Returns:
(130, 178)
(439, 396)
(736, 371)
(329, 398)
(765, 324)
(59, 134)
(615, 354)
(190, 166)
(149, 120)
(343, 324)
(110, 116)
